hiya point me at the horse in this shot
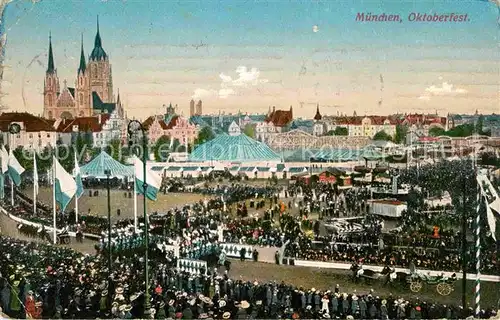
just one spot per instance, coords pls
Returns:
(394, 277)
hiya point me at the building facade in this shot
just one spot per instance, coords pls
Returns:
(92, 92)
(277, 121)
(174, 126)
(36, 133)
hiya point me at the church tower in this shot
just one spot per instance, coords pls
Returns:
(99, 70)
(51, 86)
(82, 88)
(191, 108)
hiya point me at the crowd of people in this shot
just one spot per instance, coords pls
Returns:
(43, 281)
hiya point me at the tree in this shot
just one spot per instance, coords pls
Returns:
(436, 132)
(249, 130)
(401, 132)
(205, 134)
(161, 149)
(382, 135)
(341, 131)
(114, 149)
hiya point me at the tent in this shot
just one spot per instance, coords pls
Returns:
(239, 148)
(95, 168)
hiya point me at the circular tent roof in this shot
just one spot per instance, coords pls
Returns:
(233, 148)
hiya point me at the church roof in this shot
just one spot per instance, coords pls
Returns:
(98, 52)
(83, 65)
(50, 65)
(280, 118)
(31, 123)
(102, 106)
(318, 115)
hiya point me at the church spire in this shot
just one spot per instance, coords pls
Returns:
(97, 42)
(98, 52)
(50, 66)
(118, 98)
(83, 65)
(317, 117)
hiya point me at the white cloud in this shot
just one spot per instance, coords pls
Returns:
(203, 93)
(246, 78)
(424, 97)
(445, 89)
(224, 93)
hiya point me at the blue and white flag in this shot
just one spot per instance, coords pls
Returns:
(152, 180)
(5, 159)
(78, 178)
(65, 185)
(14, 168)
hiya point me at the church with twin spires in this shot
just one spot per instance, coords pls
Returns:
(93, 90)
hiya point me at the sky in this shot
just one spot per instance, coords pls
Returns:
(246, 56)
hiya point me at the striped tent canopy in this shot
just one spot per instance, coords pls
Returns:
(95, 168)
(239, 148)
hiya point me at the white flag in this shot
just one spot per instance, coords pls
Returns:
(5, 159)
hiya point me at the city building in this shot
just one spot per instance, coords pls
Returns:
(234, 129)
(366, 126)
(93, 90)
(277, 121)
(36, 133)
(102, 128)
(174, 126)
(195, 109)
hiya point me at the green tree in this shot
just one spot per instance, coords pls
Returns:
(205, 134)
(401, 132)
(382, 135)
(114, 149)
(161, 149)
(341, 131)
(249, 130)
(479, 125)
(436, 132)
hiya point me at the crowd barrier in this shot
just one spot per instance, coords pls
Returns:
(47, 228)
(346, 266)
(233, 250)
(192, 266)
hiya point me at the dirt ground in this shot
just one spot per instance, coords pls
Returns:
(99, 205)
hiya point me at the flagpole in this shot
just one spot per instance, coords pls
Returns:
(76, 198)
(54, 196)
(135, 202)
(477, 293)
(10, 176)
(35, 176)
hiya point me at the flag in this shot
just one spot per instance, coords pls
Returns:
(78, 178)
(5, 159)
(65, 186)
(152, 180)
(35, 174)
(14, 168)
(492, 201)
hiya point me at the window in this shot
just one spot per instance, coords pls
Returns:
(48, 135)
(31, 136)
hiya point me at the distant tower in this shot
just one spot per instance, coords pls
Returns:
(82, 88)
(101, 79)
(199, 110)
(51, 86)
(317, 117)
(191, 108)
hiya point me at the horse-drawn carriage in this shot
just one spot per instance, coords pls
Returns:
(444, 285)
(388, 274)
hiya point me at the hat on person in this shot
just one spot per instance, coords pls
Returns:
(226, 315)
(134, 296)
(349, 317)
(384, 302)
(354, 297)
(119, 290)
(326, 315)
(244, 304)
(128, 307)
(16, 283)
(222, 303)
(122, 307)
(171, 302)
(203, 316)
(258, 302)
